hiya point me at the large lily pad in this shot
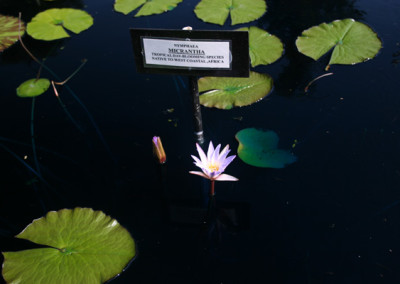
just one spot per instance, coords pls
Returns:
(9, 27)
(227, 92)
(264, 47)
(85, 246)
(241, 11)
(260, 149)
(49, 25)
(33, 88)
(148, 8)
(352, 42)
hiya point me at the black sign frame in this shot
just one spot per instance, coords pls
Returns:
(239, 40)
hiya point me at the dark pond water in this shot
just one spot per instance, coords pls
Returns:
(331, 217)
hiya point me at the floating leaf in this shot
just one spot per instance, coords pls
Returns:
(33, 88)
(260, 149)
(148, 8)
(264, 47)
(352, 42)
(241, 11)
(85, 246)
(9, 27)
(226, 92)
(50, 24)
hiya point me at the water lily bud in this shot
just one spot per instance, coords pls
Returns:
(158, 150)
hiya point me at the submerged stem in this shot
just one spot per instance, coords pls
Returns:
(70, 91)
(35, 159)
(65, 108)
(312, 81)
(22, 43)
(73, 74)
(24, 163)
(39, 71)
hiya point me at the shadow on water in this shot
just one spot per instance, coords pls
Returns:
(28, 9)
(287, 19)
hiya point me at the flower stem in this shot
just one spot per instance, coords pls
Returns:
(65, 108)
(212, 190)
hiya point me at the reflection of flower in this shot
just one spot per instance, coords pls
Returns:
(158, 150)
(214, 164)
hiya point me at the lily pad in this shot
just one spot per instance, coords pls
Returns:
(33, 88)
(49, 25)
(227, 92)
(264, 47)
(352, 42)
(260, 149)
(85, 246)
(9, 27)
(241, 11)
(148, 8)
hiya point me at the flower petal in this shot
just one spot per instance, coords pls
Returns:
(224, 153)
(225, 177)
(196, 160)
(201, 154)
(210, 151)
(214, 158)
(199, 174)
(226, 162)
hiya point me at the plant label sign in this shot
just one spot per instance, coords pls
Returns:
(193, 53)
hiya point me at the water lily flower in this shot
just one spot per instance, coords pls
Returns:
(158, 150)
(214, 164)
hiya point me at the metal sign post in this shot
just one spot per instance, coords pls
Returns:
(192, 53)
(198, 120)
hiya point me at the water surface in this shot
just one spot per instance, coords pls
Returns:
(331, 217)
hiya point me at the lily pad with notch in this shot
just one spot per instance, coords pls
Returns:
(352, 42)
(241, 11)
(33, 88)
(51, 24)
(264, 48)
(84, 246)
(259, 148)
(228, 92)
(148, 8)
(10, 30)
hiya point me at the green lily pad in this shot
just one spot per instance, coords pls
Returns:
(9, 27)
(241, 11)
(227, 92)
(85, 246)
(49, 25)
(352, 42)
(33, 88)
(260, 149)
(264, 47)
(148, 8)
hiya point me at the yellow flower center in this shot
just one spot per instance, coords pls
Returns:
(213, 168)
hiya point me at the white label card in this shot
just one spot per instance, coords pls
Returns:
(187, 54)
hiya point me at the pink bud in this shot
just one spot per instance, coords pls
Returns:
(158, 150)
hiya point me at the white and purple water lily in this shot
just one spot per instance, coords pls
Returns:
(214, 164)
